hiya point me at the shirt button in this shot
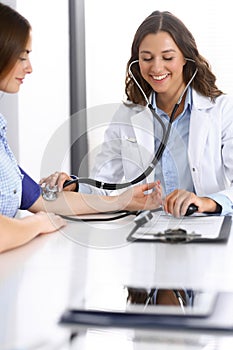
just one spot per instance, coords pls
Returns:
(15, 191)
(193, 169)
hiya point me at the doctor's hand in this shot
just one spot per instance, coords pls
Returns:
(135, 198)
(57, 179)
(178, 201)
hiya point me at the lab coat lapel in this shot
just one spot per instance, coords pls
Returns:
(199, 129)
(143, 127)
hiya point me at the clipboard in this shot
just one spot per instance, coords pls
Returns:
(216, 321)
(164, 228)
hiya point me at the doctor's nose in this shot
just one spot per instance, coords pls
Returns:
(157, 66)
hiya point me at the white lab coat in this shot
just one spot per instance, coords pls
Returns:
(128, 146)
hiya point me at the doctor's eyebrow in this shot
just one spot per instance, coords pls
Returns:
(164, 51)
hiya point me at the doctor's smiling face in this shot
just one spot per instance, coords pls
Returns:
(12, 81)
(161, 63)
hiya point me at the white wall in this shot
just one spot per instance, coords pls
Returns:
(111, 25)
(43, 101)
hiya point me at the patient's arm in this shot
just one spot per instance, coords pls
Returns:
(74, 203)
(16, 232)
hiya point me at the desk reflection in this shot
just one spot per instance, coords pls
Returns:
(175, 297)
(117, 298)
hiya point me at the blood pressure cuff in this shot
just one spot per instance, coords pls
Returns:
(30, 191)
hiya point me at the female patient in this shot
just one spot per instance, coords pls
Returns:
(17, 189)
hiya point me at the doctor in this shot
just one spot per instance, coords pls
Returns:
(197, 163)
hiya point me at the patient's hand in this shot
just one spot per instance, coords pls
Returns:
(136, 199)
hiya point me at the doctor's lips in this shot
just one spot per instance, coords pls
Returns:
(160, 77)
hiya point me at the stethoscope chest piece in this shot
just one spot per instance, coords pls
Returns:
(49, 193)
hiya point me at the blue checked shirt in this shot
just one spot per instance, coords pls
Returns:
(17, 189)
(10, 176)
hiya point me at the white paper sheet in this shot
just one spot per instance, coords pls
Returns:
(206, 226)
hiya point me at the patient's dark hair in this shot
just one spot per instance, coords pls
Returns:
(14, 34)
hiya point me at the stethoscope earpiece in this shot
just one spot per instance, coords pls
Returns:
(190, 59)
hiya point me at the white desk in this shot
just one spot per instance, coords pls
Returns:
(39, 280)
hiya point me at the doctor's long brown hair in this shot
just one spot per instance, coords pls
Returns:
(204, 81)
(14, 34)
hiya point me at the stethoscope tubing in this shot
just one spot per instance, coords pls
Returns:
(146, 173)
(122, 214)
(159, 152)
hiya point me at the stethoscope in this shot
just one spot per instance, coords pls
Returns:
(160, 150)
(50, 193)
